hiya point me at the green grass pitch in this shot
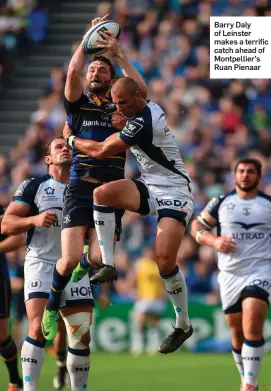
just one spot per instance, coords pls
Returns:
(176, 372)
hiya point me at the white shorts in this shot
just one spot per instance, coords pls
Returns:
(155, 307)
(37, 284)
(165, 201)
(231, 286)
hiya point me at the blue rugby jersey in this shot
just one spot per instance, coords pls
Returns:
(90, 119)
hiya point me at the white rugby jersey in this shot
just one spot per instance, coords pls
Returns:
(42, 194)
(155, 148)
(249, 223)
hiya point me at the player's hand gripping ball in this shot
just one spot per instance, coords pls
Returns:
(95, 40)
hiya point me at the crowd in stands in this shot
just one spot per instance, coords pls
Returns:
(23, 24)
(215, 122)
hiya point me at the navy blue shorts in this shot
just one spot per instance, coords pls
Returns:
(5, 288)
(78, 206)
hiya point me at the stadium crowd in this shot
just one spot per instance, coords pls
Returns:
(214, 121)
(23, 24)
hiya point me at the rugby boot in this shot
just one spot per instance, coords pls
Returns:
(49, 324)
(174, 340)
(79, 272)
(105, 274)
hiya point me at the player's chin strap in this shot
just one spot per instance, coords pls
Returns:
(78, 330)
(207, 227)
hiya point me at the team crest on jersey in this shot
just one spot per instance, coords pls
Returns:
(247, 211)
(132, 128)
(49, 191)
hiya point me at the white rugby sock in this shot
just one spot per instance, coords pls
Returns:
(252, 354)
(238, 362)
(105, 224)
(32, 356)
(176, 288)
(78, 363)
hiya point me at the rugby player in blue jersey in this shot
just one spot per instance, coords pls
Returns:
(90, 117)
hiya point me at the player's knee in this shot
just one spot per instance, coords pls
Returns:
(34, 330)
(68, 264)
(78, 330)
(253, 332)
(102, 195)
(165, 262)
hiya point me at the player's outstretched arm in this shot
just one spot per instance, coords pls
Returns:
(74, 81)
(114, 50)
(99, 150)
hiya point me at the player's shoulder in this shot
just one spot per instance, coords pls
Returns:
(31, 184)
(264, 196)
(216, 202)
(155, 111)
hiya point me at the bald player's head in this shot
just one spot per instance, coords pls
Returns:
(127, 97)
(125, 84)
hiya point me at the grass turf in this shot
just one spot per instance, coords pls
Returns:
(177, 372)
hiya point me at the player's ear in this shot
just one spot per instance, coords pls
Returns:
(48, 159)
(112, 82)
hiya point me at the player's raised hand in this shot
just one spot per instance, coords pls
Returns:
(118, 120)
(67, 131)
(225, 244)
(45, 219)
(110, 43)
(98, 20)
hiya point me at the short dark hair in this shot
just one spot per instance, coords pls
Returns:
(47, 150)
(106, 61)
(255, 162)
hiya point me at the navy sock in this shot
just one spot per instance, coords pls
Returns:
(58, 285)
(84, 261)
(8, 351)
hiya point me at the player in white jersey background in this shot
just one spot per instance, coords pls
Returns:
(36, 209)
(163, 189)
(243, 242)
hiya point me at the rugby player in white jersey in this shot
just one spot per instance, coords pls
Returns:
(243, 221)
(163, 189)
(36, 209)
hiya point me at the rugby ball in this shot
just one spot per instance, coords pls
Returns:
(96, 32)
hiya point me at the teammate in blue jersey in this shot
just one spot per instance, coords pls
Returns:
(8, 349)
(242, 238)
(91, 116)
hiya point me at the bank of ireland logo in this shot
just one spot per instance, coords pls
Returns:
(27, 378)
(34, 284)
(247, 211)
(178, 309)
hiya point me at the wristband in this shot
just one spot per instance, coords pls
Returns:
(199, 234)
(71, 140)
(119, 56)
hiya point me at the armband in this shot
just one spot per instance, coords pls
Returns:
(71, 140)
